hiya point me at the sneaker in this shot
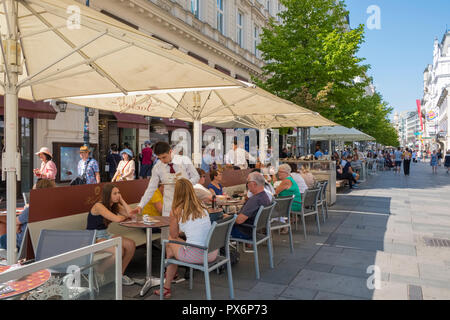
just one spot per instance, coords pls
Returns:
(355, 187)
(140, 282)
(126, 281)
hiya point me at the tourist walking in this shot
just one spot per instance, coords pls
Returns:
(88, 167)
(398, 155)
(406, 161)
(447, 161)
(439, 156)
(48, 167)
(414, 156)
(126, 168)
(113, 159)
(147, 162)
(434, 161)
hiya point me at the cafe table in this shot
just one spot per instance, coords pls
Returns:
(230, 202)
(155, 222)
(23, 285)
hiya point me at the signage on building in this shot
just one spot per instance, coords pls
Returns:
(431, 115)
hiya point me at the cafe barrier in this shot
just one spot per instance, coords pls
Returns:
(116, 243)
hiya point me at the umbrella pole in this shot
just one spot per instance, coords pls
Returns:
(12, 160)
(197, 143)
(262, 145)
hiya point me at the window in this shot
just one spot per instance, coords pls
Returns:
(240, 29)
(255, 40)
(220, 16)
(195, 8)
(268, 6)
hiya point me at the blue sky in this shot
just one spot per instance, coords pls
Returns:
(399, 52)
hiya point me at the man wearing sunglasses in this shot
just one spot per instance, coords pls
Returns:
(255, 184)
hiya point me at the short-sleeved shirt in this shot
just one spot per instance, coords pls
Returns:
(347, 167)
(318, 154)
(23, 219)
(250, 209)
(147, 155)
(91, 169)
(398, 155)
(150, 208)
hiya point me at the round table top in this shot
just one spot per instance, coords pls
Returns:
(27, 283)
(159, 222)
(231, 202)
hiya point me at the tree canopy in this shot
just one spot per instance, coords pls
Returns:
(311, 60)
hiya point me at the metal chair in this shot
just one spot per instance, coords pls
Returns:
(309, 207)
(322, 200)
(218, 237)
(262, 220)
(55, 242)
(283, 210)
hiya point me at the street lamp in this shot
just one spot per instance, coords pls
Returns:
(62, 105)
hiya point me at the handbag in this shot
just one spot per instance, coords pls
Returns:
(81, 179)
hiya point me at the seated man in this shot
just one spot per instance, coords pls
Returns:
(22, 219)
(255, 183)
(347, 168)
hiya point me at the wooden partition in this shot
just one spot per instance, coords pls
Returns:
(231, 177)
(65, 201)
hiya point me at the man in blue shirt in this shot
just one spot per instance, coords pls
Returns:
(318, 153)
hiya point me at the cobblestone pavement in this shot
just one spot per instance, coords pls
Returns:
(382, 224)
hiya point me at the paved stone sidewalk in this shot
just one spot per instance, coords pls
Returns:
(383, 224)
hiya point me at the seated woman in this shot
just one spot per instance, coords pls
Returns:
(201, 192)
(112, 208)
(215, 187)
(288, 187)
(189, 216)
(309, 178)
(298, 178)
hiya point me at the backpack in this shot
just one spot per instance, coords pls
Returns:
(81, 180)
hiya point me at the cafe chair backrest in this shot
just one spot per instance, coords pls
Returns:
(263, 216)
(311, 197)
(219, 234)
(55, 242)
(283, 207)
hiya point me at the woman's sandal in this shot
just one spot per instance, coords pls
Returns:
(167, 293)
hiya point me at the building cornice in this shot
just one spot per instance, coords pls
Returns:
(161, 13)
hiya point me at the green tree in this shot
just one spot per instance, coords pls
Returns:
(311, 60)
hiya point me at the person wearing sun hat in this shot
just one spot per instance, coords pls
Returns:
(48, 167)
(88, 166)
(126, 167)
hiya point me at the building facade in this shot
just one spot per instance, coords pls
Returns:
(221, 33)
(435, 97)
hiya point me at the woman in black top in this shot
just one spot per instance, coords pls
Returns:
(112, 208)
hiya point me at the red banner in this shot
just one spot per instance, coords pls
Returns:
(420, 113)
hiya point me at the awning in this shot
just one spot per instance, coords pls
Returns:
(126, 120)
(174, 123)
(29, 109)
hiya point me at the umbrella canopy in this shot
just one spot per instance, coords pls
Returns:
(60, 48)
(339, 133)
(96, 54)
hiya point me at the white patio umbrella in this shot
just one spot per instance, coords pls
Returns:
(60, 48)
(250, 107)
(339, 133)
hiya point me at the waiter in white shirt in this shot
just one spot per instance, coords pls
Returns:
(238, 156)
(170, 168)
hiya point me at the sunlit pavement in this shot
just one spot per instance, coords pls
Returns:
(371, 247)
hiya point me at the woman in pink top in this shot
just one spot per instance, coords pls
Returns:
(48, 167)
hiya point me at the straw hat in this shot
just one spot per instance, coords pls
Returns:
(44, 150)
(84, 149)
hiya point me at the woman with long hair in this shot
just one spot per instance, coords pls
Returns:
(188, 215)
(112, 208)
